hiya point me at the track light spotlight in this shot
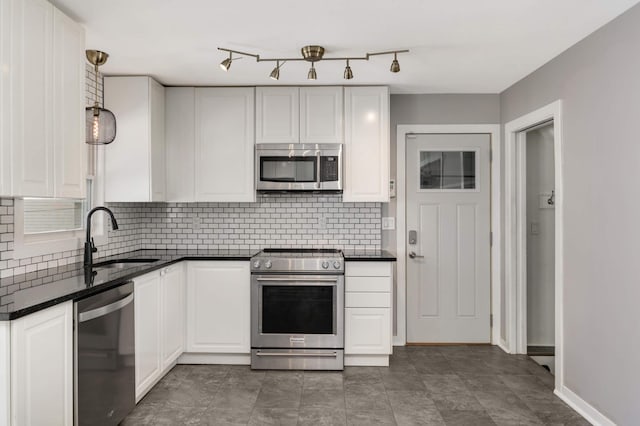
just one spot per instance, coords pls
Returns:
(226, 64)
(275, 74)
(395, 65)
(312, 73)
(348, 74)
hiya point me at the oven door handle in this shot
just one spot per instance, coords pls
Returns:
(310, 280)
(294, 354)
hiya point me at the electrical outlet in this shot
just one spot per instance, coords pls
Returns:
(388, 223)
(392, 188)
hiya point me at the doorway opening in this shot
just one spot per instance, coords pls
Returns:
(539, 219)
(534, 238)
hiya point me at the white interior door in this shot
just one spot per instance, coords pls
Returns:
(448, 242)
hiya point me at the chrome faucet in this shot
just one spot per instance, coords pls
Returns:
(89, 245)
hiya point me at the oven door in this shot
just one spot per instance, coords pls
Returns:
(297, 311)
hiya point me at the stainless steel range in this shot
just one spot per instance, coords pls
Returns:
(297, 309)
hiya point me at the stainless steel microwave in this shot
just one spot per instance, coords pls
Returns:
(298, 167)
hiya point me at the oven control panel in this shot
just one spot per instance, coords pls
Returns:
(303, 265)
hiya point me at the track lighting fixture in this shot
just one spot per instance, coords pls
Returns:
(275, 74)
(348, 75)
(312, 73)
(395, 65)
(226, 64)
(313, 54)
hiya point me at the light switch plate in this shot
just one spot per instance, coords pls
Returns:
(392, 188)
(388, 223)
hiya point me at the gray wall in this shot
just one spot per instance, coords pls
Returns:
(540, 243)
(598, 81)
(434, 109)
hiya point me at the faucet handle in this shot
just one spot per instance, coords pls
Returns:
(93, 246)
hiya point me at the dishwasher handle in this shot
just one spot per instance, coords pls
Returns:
(105, 310)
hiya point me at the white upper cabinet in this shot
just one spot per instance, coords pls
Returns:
(299, 115)
(224, 148)
(277, 115)
(68, 120)
(210, 144)
(42, 137)
(321, 115)
(366, 149)
(180, 138)
(135, 161)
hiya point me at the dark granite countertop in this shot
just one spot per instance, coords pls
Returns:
(28, 293)
(369, 256)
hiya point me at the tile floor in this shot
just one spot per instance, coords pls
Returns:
(445, 385)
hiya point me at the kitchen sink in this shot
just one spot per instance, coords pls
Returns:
(123, 263)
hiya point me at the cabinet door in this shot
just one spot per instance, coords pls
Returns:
(366, 149)
(224, 144)
(42, 367)
(180, 140)
(218, 307)
(173, 313)
(68, 111)
(321, 115)
(367, 331)
(277, 115)
(128, 157)
(31, 98)
(147, 307)
(157, 142)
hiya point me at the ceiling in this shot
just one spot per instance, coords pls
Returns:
(457, 46)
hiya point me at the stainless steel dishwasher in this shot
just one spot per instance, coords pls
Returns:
(104, 391)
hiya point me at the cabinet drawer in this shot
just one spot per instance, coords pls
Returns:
(368, 284)
(367, 300)
(368, 269)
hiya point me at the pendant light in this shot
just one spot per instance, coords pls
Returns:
(100, 122)
(348, 74)
(312, 75)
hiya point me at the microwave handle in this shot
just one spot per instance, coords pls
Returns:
(319, 178)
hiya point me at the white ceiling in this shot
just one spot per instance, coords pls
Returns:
(457, 46)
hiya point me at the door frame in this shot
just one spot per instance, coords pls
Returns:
(400, 339)
(515, 232)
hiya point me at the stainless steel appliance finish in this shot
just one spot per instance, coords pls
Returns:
(297, 309)
(104, 391)
(299, 167)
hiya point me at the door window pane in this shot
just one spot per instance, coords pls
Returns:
(447, 170)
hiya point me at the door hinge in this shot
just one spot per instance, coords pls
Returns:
(491, 320)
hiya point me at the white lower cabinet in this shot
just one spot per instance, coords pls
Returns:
(159, 325)
(173, 313)
(368, 315)
(147, 307)
(218, 307)
(42, 367)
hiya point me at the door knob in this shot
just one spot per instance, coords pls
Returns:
(413, 255)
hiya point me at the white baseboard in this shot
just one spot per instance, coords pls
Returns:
(366, 360)
(503, 345)
(583, 408)
(233, 359)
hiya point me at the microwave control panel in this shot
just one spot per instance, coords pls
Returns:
(329, 168)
